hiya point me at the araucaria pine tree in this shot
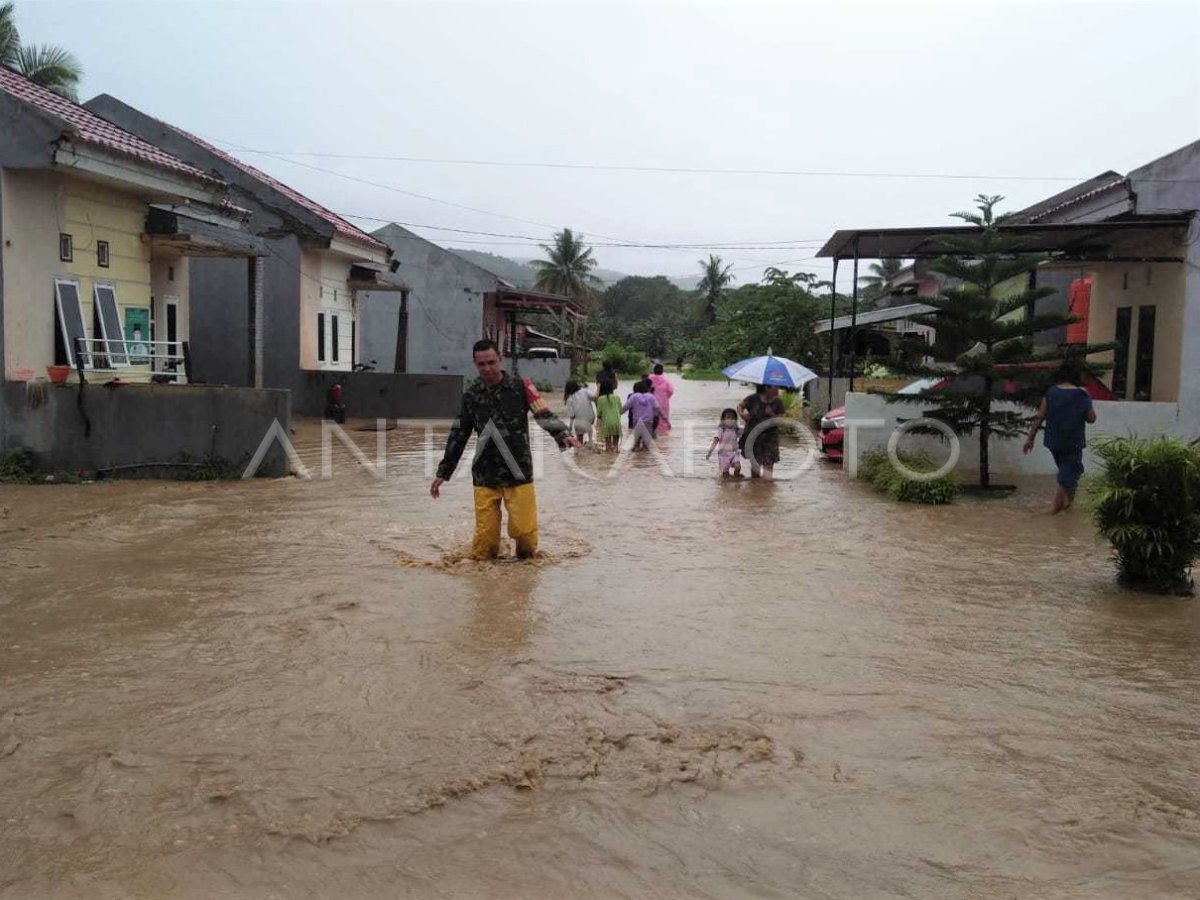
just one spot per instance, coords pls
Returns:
(984, 335)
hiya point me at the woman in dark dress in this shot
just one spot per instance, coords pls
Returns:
(760, 439)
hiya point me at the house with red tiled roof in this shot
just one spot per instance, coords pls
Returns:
(305, 298)
(98, 231)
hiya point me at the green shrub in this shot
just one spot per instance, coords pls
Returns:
(793, 403)
(694, 374)
(875, 466)
(625, 360)
(1146, 503)
(17, 465)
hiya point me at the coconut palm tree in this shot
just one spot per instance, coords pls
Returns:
(51, 67)
(10, 39)
(875, 284)
(568, 268)
(712, 284)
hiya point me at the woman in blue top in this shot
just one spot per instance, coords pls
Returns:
(1066, 409)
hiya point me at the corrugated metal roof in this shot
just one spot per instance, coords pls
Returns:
(88, 128)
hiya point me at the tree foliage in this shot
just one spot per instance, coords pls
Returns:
(715, 279)
(984, 342)
(51, 67)
(875, 283)
(1147, 505)
(567, 270)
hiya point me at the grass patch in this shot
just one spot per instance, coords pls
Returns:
(703, 375)
(877, 468)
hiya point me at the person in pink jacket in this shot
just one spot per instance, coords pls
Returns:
(661, 385)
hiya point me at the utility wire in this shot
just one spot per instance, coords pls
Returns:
(691, 170)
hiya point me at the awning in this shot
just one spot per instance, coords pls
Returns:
(173, 231)
(549, 337)
(874, 317)
(1120, 239)
(370, 277)
(516, 300)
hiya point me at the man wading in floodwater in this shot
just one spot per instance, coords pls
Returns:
(496, 407)
(1067, 410)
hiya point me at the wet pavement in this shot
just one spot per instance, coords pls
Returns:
(299, 688)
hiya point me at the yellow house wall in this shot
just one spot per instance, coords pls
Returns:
(29, 202)
(1160, 285)
(37, 207)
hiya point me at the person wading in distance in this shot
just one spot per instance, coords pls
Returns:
(1067, 410)
(496, 407)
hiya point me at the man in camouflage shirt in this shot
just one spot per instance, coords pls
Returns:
(496, 408)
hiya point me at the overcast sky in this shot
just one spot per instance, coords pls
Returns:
(1037, 90)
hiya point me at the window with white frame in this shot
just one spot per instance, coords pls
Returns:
(108, 320)
(70, 320)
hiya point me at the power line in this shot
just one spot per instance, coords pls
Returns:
(388, 187)
(749, 244)
(688, 170)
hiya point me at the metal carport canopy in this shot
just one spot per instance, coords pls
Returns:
(1091, 240)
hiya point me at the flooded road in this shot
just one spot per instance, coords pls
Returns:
(702, 689)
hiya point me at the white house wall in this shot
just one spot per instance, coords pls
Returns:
(1172, 184)
(1005, 456)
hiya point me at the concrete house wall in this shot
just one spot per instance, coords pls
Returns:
(303, 275)
(444, 308)
(1172, 184)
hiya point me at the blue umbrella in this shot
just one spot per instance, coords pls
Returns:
(773, 371)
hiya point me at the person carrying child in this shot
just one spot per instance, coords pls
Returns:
(726, 443)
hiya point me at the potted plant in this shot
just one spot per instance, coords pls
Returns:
(58, 374)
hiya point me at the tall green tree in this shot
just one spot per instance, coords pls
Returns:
(567, 269)
(778, 314)
(715, 279)
(984, 339)
(51, 67)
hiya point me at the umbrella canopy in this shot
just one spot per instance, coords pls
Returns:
(773, 371)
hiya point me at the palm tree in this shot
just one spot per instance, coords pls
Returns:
(568, 270)
(51, 67)
(876, 283)
(712, 284)
(10, 40)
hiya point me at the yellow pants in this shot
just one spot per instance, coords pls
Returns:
(521, 503)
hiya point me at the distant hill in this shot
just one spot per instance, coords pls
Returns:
(510, 270)
(520, 273)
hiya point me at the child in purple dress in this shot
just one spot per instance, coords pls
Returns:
(725, 442)
(643, 409)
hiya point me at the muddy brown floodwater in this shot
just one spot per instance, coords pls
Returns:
(299, 689)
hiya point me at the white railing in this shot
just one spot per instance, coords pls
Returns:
(160, 358)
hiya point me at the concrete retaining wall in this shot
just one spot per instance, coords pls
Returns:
(1004, 456)
(817, 393)
(136, 424)
(555, 371)
(382, 395)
